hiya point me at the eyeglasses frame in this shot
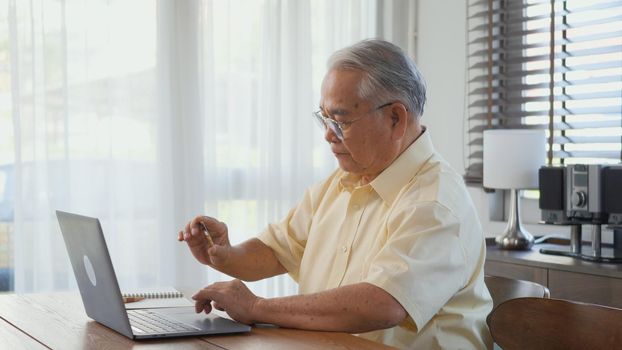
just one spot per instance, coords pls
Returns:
(338, 127)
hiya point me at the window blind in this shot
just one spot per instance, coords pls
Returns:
(546, 64)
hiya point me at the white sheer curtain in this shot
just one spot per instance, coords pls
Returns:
(146, 113)
(84, 121)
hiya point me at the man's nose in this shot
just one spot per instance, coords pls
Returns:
(330, 136)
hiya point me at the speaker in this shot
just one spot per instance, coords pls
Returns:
(612, 194)
(552, 185)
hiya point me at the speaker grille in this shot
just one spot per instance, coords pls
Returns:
(612, 189)
(551, 184)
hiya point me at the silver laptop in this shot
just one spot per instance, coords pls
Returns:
(102, 299)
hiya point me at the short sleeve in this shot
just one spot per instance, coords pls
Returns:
(422, 263)
(288, 238)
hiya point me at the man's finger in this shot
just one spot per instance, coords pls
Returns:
(180, 236)
(202, 302)
(204, 294)
(203, 305)
(187, 228)
(200, 232)
(208, 223)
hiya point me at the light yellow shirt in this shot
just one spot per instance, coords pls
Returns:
(413, 231)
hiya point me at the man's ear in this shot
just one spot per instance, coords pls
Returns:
(399, 120)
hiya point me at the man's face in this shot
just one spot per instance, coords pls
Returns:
(367, 147)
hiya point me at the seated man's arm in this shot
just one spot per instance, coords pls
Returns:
(251, 260)
(356, 308)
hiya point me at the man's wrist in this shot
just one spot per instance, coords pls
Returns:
(258, 310)
(227, 265)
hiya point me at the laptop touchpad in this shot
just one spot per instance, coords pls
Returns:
(203, 321)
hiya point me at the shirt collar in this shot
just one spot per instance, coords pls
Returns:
(391, 181)
(350, 182)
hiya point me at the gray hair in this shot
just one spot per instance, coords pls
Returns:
(389, 73)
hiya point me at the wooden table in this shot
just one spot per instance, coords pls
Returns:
(58, 321)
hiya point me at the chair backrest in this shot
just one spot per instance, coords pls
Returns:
(502, 289)
(538, 323)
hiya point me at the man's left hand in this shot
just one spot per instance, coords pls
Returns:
(233, 297)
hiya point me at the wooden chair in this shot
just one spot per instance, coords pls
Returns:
(539, 323)
(502, 289)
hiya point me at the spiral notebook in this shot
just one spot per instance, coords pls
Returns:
(157, 298)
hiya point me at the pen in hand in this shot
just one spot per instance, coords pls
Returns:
(207, 235)
(205, 232)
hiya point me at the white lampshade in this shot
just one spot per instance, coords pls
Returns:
(512, 158)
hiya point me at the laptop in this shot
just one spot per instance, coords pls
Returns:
(102, 298)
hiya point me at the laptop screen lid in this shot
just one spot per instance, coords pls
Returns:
(94, 272)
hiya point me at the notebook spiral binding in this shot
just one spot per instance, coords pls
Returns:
(154, 295)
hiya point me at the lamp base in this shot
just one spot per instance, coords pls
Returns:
(515, 237)
(515, 240)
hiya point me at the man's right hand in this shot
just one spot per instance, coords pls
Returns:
(216, 254)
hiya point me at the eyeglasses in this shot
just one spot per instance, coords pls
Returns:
(338, 127)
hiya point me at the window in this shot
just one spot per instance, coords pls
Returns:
(546, 64)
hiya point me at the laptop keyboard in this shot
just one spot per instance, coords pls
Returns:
(148, 322)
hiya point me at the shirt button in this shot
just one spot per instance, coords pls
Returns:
(344, 249)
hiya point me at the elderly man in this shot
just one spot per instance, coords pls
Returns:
(389, 246)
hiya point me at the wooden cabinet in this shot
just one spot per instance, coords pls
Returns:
(515, 271)
(566, 278)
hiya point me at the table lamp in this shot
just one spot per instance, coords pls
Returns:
(511, 161)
